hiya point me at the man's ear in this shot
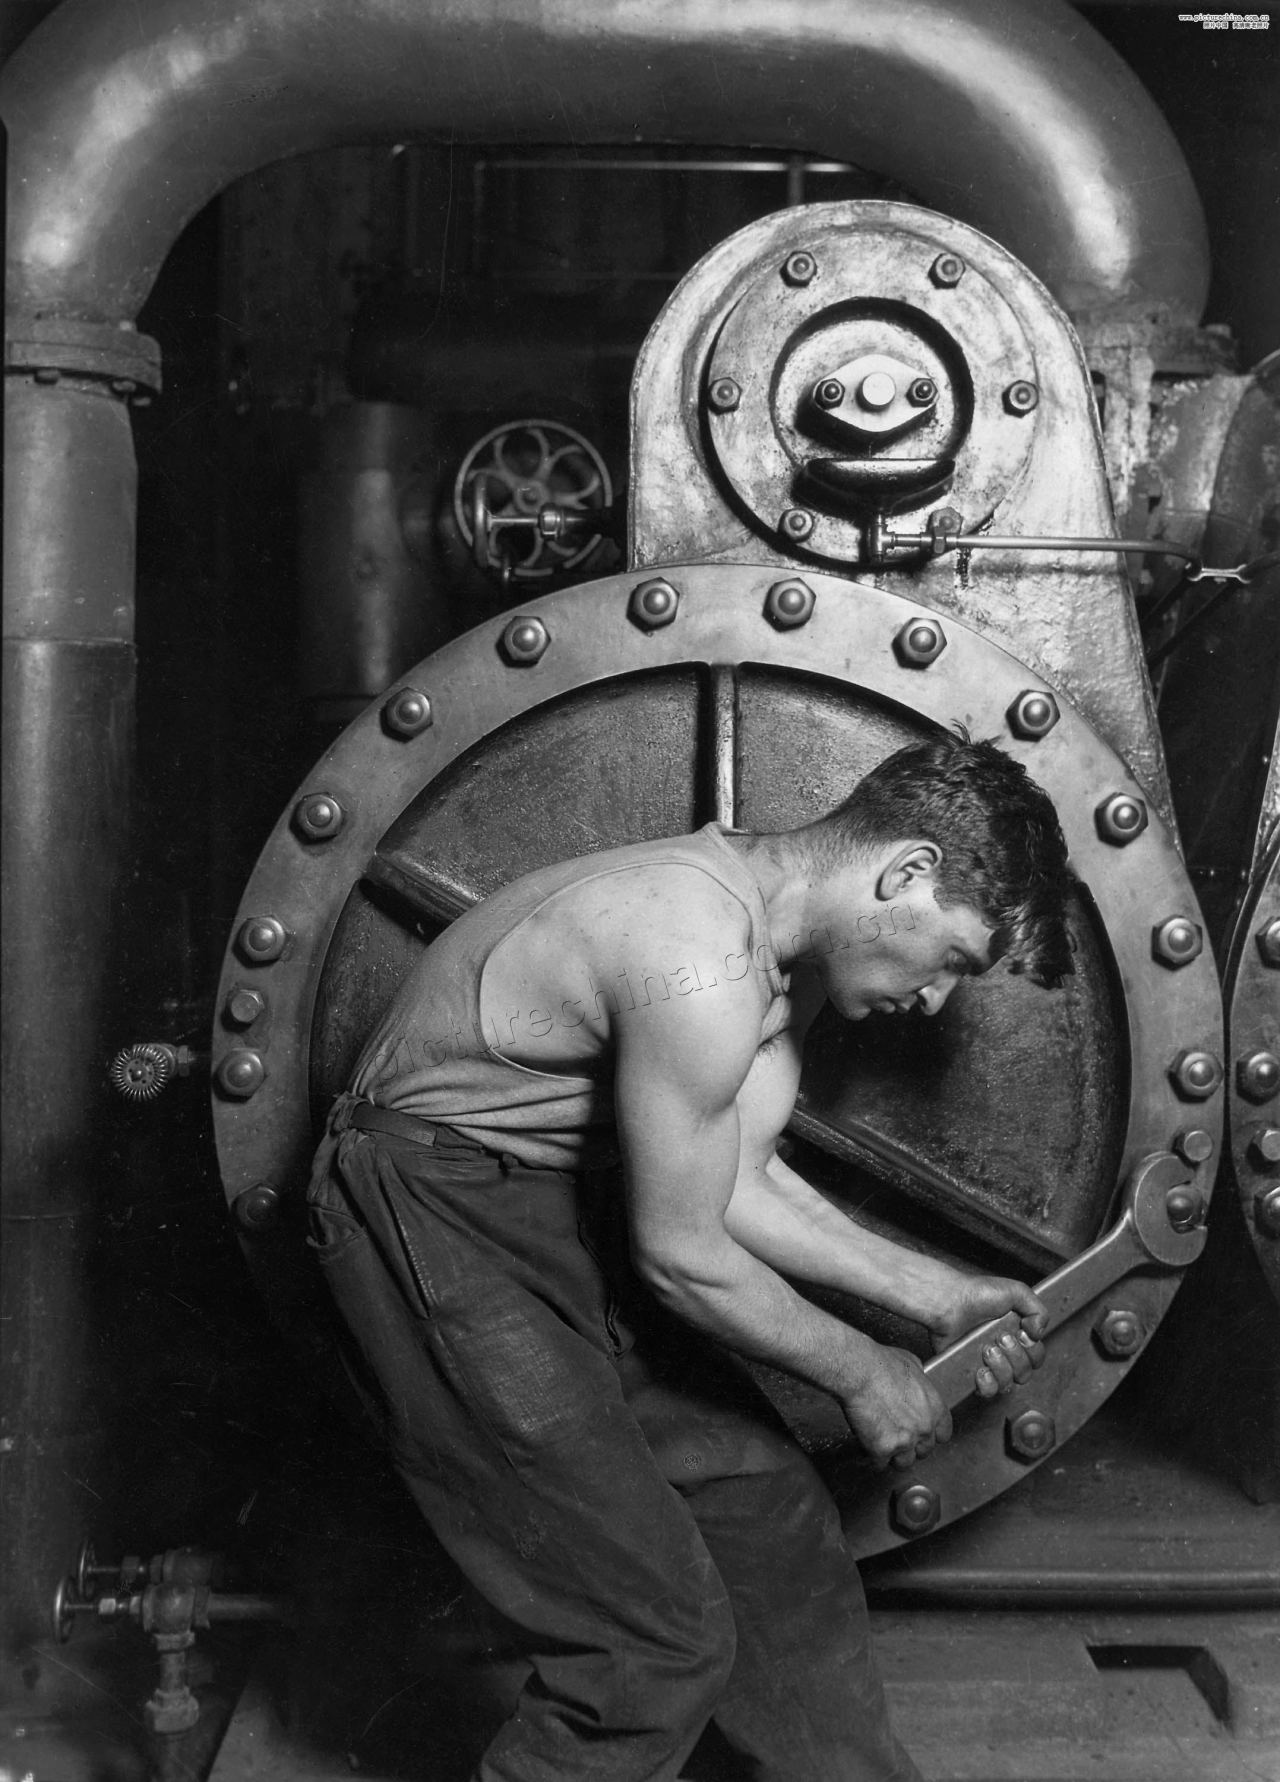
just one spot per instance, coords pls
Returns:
(907, 865)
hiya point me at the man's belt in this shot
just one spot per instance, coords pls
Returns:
(367, 1117)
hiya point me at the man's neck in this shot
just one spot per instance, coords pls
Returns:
(801, 894)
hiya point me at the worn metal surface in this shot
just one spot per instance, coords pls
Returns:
(1253, 1025)
(1032, 472)
(618, 732)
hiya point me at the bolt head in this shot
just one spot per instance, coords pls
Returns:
(1268, 939)
(1266, 1211)
(1031, 1434)
(1121, 818)
(877, 391)
(920, 642)
(1020, 397)
(318, 817)
(789, 604)
(524, 642)
(1184, 1208)
(1195, 1145)
(922, 392)
(796, 523)
(407, 713)
(799, 268)
(724, 395)
(240, 1074)
(1119, 1332)
(1033, 714)
(653, 604)
(1176, 941)
(1195, 1075)
(258, 1208)
(828, 392)
(1264, 1144)
(260, 940)
(915, 1509)
(243, 1006)
(947, 270)
(1258, 1075)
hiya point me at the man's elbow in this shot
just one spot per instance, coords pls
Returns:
(684, 1281)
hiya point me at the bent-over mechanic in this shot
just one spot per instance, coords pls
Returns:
(553, 1216)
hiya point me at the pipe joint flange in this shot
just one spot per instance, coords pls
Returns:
(51, 349)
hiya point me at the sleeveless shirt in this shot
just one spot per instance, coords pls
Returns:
(430, 1056)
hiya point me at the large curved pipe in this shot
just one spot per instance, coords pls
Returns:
(1012, 115)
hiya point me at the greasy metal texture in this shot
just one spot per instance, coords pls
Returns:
(529, 743)
(1070, 616)
(1253, 1025)
(122, 125)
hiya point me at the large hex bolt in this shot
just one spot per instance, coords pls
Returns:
(1258, 1075)
(723, 395)
(1195, 1145)
(1033, 714)
(1266, 1211)
(828, 392)
(1184, 1208)
(1176, 941)
(524, 642)
(653, 604)
(1030, 1435)
(240, 1074)
(1264, 1144)
(921, 392)
(919, 642)
(799, 268)
(260, 940)
(1268, 939)
(1121, 818)
(1195, 1075)
(258, 1208)
(318, 816)
(915, 1509)
(243, 1006)
(789, 603)
(1119, 1333)
(947, 270)
(1020, 397)
(407, 714)
(796, 524)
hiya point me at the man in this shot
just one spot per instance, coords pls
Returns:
(553, 1348)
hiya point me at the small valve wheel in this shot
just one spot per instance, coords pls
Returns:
(141, 1071)
(508, 480)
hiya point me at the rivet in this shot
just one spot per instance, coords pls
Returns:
(1195, 1074)
(922, 392)
(796, 522)
(724, 394)
(1176, 941)
(524, 641)
(828, 392)
(1268, 939)
(1265, 1144)
(243, 1006)
(1119, 1333)
(1033, 714)
(1121, 819)
(407, 713)
(261, 940)
(258, 1208)
(240, 1074)
(919, 642)
(1031, 1434)
(1194, 1145)
(915, 1509)
(947, 270)
(789, 604)
(1184, 1208)
(318, 816)
(1258, 1075)
(653, 604)
(1021, 397)
(1266, 1211)
(799, 269)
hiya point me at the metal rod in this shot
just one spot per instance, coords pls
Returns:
(1097, 1587)
(724, 729)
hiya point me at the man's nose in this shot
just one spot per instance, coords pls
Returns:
(934, 995)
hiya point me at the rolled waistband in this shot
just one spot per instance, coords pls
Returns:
(366, 1116)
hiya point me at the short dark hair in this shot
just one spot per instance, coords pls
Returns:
(1003, 851)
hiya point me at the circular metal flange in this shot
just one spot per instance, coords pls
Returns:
(1253, 1003)
(876, 292)
(846, 646)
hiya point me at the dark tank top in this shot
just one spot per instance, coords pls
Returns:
(431, 1058)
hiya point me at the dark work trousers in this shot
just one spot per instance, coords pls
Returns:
(607, 1479)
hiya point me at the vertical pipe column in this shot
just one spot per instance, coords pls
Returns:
(67, 731)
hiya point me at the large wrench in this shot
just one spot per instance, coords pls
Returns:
(1156, 1224)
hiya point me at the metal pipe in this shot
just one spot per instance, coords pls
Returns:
(1094, 1587)
(1012, 115)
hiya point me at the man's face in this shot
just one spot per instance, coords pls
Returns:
(910, 955)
